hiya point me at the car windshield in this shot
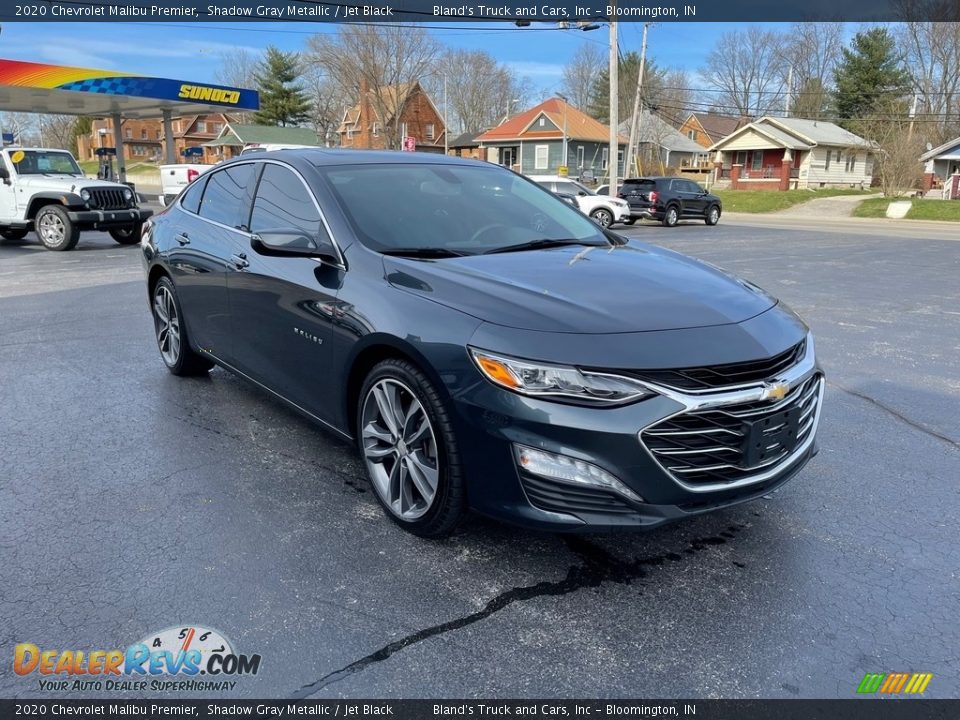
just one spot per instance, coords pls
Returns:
(44, 162)
(461, 209)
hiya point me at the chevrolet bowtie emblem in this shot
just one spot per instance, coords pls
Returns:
(775, 391)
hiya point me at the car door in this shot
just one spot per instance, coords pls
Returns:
(8, 192)
(203, 251)
(283, 308)
(698, 198)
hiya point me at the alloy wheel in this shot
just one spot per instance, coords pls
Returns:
(714, 216)
(167, 322)
(400, 449)
(52, 230)
(603, 218)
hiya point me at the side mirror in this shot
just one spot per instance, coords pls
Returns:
(4, 175)
(292, 243)
(581, 193)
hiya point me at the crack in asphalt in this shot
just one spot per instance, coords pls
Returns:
(598, 566)
(898, 415)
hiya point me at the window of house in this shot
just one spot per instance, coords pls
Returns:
(129, 133)
(216, 127)
(604, 158)
(542, 122)
(741, 158)
(826, 164)
(201, 126)
(692, 134)
(757, 160)
(580, 156)
(541, 157)
(159, 134)
(851, 165)
(376, 129)
(429, 130)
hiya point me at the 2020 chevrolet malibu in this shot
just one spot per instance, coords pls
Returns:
(485, 345)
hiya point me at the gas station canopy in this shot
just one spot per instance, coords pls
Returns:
(61, 89)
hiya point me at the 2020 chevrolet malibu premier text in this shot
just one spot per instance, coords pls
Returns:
(486, 345)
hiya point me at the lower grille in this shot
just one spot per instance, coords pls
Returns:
(107, 198)
(734, 442)
(565, 498)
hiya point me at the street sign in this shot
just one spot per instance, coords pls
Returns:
(105, 151)
(409, 144)
(563, 171)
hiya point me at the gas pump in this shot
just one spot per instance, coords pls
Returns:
(105, 156)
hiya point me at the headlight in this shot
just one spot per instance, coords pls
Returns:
(85, 195)
(127, 194)
(557, 381)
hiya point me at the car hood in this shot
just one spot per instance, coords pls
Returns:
(576, 289)
(63, 183)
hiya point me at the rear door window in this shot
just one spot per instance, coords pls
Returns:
(225, 196)
(639, 187)
(191, 196)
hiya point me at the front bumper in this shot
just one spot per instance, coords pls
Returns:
(494, 420)
(97, 219)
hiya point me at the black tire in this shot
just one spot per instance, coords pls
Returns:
(186, 361)
(671, 216)
(55, 229)
(127, 235)
(449, 504)
(629, 221)
(713, 215)
(13, 233)
(602, 217)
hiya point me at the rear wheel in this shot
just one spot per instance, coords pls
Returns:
(13, 233)
(128, 234)
(408, 445)
(671, 216)
(602, 217)
(713, 215)
(55, 229)
(171, 333)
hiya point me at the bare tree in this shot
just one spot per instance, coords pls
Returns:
(24, 127)
(895, 150)
(57, 130)
(746, 66)
(813, 52)
(328, 100)
(379, 58)
(236, 68)
(581, 73)
(931, 52)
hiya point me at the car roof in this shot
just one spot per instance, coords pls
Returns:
(326, 157)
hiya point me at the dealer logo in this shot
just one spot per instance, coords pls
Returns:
(184, 652)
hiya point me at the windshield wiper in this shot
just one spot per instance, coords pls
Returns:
(541, 244)
(424, 252)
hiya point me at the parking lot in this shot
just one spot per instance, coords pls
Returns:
(132, 501)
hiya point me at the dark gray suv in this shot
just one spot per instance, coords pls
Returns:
(670, 200)
(485, 345)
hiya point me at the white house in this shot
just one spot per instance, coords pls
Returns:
(941, 165)
(784, 153)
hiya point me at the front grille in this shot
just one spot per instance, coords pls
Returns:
(565, 498)
(723, 376)
(734, 442)
(107, 199)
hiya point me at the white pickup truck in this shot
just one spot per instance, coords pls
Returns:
(45, 190)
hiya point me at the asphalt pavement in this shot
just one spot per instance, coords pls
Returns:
(132, 501)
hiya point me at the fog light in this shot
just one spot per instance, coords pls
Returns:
(570, 470)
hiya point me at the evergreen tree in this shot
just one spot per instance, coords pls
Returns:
(283, 100)
(869, 75)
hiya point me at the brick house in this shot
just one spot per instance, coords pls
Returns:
(407, 107)
(532, 142)
(705, 129)
(467, 145)
(775, 153)
(143, 139)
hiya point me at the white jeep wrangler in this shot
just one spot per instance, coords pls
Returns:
(45, 190)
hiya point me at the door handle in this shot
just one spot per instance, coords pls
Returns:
(240, 261)
(183, 239)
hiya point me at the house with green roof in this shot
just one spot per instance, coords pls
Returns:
(235, 137)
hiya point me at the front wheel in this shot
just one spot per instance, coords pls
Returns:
(128, 234)
(602, 217)
(671, 216)
(55, 229)
(713, 215)
(171, 333)
(13, 233)
(406, 437)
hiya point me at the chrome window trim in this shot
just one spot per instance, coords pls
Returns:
(693, 402)
(341, 261)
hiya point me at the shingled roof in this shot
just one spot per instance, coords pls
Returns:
(580, 126)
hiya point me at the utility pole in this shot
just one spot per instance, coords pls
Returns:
(789, 100)
(913, 115)
(446, 127)
(635, 118)
(614, 71)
